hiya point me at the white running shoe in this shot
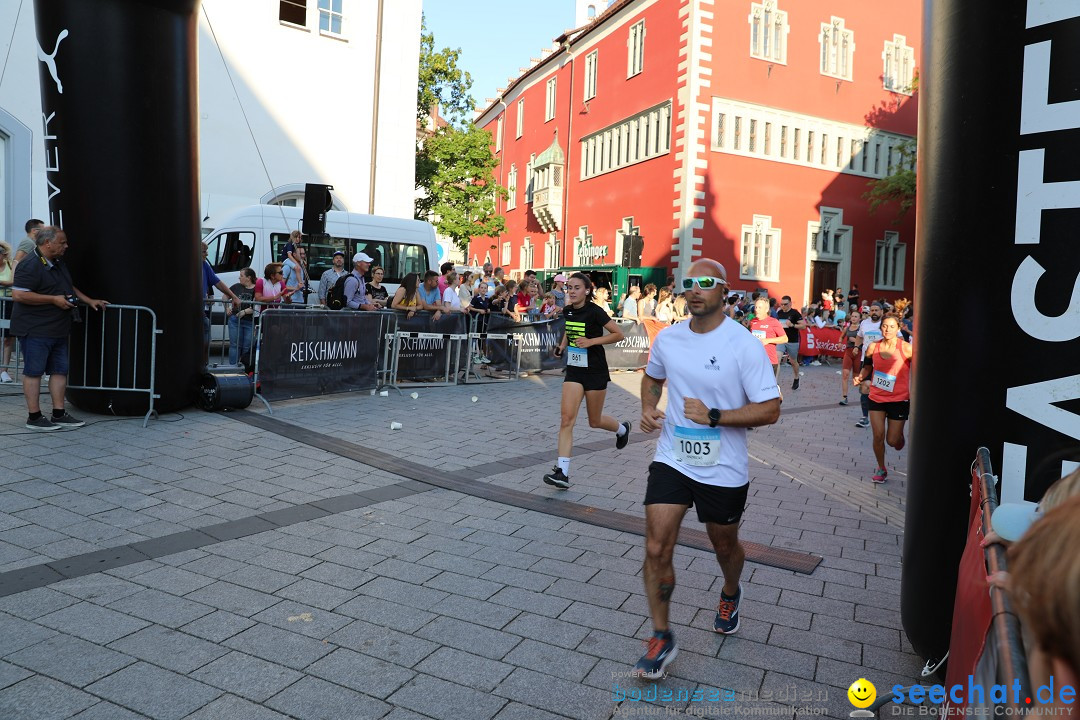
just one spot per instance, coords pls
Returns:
(5, 378)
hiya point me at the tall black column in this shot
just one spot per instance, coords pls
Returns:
(119, 96)
(997, 360)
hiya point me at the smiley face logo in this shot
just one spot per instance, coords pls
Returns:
(862, 693)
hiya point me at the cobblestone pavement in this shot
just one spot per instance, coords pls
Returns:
(252, 566)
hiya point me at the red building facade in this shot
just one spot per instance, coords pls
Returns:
(739, 130)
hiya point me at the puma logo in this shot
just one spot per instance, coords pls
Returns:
(50, 60)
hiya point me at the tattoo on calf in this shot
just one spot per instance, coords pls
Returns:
(667, 586)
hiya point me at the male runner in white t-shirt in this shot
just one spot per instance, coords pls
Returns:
(719, 382)
(869, 332)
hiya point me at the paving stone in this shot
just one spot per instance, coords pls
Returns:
(517, 711)
(385, 613)
(277, 645)
(35, 603)
(154, 692)
(402, 592)
(213, 566)
(570, 699)
(469, 637)
(70, 660)
(477, 611)
(551, 660)
(247, 676)
(444, 700)
(524, 579)
(93, 623)
(174, 580)
(230, 707)
(340, 576)
(817, 604)
(349, 557)
(464, 585)
(589, 593)
(233, 598)
(816, 644)
(98, 588)
(218, 626)
(107, 711)
(260, 578)
(161, 608)
(40, 698)
(315, 699)
(285, 562)
(170, 649)
(859, 632)
(465, 668)
(404, 571)
(541, 604)
(593, 616)
(11, 674)
(547, 630)
(362, 673)
(383, 643)
(747, 652)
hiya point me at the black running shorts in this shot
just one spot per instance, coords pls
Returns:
(893, 410)
(720, 505)
(588, 380)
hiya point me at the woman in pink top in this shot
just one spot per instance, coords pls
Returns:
(270, 288)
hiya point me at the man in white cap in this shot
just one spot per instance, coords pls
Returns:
(355, 287)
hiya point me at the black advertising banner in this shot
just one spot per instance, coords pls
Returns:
(424, 358)
(999, 203)
(537, 339)
(632, 352)
(305, 353)
(119, 134)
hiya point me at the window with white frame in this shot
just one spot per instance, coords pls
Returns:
(498, 134)
(549, 104)
(520, 117)
(889, 262)
(590, 74)
(768, 32)
(759, 259)
(529, 184)
(635, 49)
(591, 12)
(636, 139)
(511, 187)
(837, 49)
(898, 75)
(552, 251)
(505, 253)
(526, 255)
(330, 16)
(829, 236)
(742, 128)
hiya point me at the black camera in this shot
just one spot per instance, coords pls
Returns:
(76, 316)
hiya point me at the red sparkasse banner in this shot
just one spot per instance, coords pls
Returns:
(826, 341)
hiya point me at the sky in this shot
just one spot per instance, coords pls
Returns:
(496, 38)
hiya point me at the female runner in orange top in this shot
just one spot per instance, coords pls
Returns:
(888, 367)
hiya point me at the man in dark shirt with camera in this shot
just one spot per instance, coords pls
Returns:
(45, 302)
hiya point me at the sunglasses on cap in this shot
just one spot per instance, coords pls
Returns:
(705, 282)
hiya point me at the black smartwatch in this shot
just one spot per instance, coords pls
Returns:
(714, 417)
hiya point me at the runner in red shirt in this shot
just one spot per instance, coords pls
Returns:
(769, 331)
(887, 366)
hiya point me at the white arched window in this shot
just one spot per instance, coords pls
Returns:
(591, 12)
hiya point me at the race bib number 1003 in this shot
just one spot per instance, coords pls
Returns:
(697, 446)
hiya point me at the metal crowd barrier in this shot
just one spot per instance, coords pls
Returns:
(232, 334)
(8, 342)
(482, 344)
(1005, 626)
(111, 369)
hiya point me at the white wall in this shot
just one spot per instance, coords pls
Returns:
(308, 97)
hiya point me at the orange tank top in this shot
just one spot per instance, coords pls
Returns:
(889, 380)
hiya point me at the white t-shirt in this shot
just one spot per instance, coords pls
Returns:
(726, 369)
(869, 331)
(450, 295)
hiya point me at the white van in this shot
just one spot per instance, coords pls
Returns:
(255, 236)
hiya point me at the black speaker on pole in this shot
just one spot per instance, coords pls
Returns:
(632, 247)
(317, 203)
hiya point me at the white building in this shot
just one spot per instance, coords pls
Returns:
(304, 73)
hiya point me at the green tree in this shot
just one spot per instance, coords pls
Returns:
(454, 164)
(441, 82)
(455, 169)
(898, 187)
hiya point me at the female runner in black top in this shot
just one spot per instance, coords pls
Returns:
(586, 372)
